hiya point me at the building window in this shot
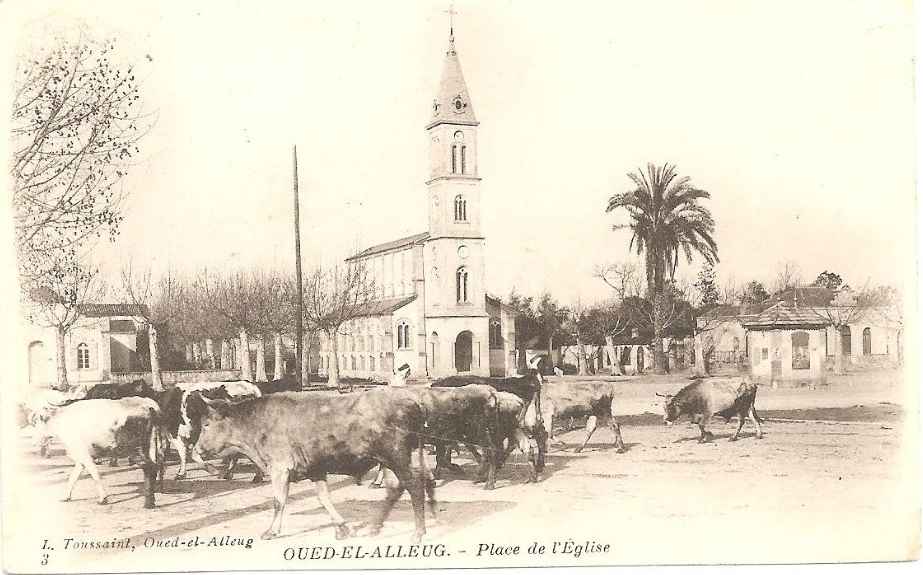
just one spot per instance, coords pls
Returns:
(371, 364)
(454, 159)
(801, 355)
(461, 285)
(362, 362)
(867, 341)
(83, 356)
(495, 335)
(846, 340)
(463, 149)
(353, 362)
(403, 335)
(461, 209)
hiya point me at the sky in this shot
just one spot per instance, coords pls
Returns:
(797, 117)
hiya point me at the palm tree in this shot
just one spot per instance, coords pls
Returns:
(665, 218)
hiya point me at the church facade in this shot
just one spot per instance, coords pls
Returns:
(433, 311)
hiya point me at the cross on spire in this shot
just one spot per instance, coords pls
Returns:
(451, 12)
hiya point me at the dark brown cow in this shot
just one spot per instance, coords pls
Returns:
(525, 388)
(134, 388)
(725, 397)
(467, 415)
(294, 436)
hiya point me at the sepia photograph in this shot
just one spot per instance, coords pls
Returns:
(458, 284)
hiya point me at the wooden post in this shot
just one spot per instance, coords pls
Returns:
(299, 322)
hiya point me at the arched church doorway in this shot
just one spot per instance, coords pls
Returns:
(463, 352)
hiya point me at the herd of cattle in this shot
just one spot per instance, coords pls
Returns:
(292, 435)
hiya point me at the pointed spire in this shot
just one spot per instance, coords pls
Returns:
(452, 104)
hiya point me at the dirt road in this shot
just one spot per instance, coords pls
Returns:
(807, 491)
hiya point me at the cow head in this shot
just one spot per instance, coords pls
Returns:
(535, 367)
(670, 410)
(210, 428)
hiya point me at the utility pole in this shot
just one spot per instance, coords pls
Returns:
(299, 322)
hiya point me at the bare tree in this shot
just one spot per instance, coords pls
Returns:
(231, 298)
(272, 297)
(56, 301)
(788, 275)
(333, 297)
(163, 303)
(76, 125)
(625, 281)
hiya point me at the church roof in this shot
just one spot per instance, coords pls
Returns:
(386, 306)
(112, 309)
(452, 104)
(392, 245)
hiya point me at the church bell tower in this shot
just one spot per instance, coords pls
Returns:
(454, 191)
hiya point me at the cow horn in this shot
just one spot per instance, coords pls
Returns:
(661, 394)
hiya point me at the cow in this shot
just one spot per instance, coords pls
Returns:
(525, 388)
(703, 398)
(173, 405)
(39, 408)
(134, 388)
(512, 427)
(287, 383)
(111, 426)
(579, 399)
(295, 436)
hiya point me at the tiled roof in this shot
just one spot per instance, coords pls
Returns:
(112, 309)
(783, 316)
(453, 104)
(386, 306)
(392, 245)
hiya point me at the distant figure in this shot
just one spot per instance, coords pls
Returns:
(399, 378)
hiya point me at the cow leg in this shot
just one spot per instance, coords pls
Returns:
(280, 484)
(339, 524)
(150, 476)
(590, 428)
(180, 446)
(230, 466)
(756, 421)
(379, 477)
(704, 435)
(391, 497)
(72, 480)
(741, 418)
(103, 498)
(208, 466)
(617, 432)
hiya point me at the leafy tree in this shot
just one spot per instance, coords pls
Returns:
(550, 317)
(707, 286)
(527, 326)
(754, 293)
(829, 280)
(665, 219)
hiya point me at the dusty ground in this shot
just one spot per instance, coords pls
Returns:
(834, 489)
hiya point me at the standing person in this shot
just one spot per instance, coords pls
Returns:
(399, 378)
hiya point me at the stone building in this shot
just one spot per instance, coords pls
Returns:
(103, 342)
(433, 311)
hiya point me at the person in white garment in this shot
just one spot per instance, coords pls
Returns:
(399, 378)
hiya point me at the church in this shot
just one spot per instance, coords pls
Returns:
(433, 311)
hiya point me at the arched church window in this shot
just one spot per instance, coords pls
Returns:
(461, 209)
(867, 341)
(801, 356)
(461, 285)
(463, 170)
(83, 356)
(495, 335)
(454, 158)
(403, 335)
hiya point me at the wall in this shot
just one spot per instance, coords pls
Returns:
(171, 378)
(778, 346)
